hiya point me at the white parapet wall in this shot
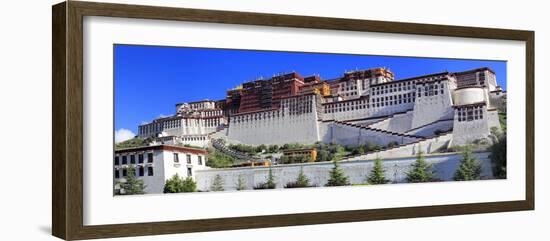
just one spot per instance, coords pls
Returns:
(354, 135)
(425, 146)
(444, 166)
(432, 128)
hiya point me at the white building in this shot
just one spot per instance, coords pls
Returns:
(156, 164)
(363, 106)
(189, 126)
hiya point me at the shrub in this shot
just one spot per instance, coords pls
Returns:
(176, 184)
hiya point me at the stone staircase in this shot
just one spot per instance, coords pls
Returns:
(219, 145)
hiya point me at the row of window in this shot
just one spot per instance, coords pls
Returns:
(350, 94)
(202, 105)
(188, 158)
(193, 138)
(211, 113)
(346, 106)
(139, 171)
(212, 122)
(393, 100)
(431, 90)
(158, 127)
(384, 89)
(470, 113)
(123, 159)
(257, 116)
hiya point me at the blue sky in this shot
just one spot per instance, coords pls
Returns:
(150, 80)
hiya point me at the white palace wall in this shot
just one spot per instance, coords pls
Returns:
(432, 107)
(289, 129)
(430, 129)
(398, 123)
(318, 173)
(468, 131)
(348, 134)
(290, 124)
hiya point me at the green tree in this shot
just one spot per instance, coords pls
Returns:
(324, 155)
(189, 185)
(134, 142)
(301, 181)
(261, 148)
(217, 184)
(273, 148)
(270, 182)
(337, 176)
(377, 174)
(498, 157)
(469, 169)
(241, 183)
(421, 171)
(218, 159)
(174, 184)
(131, 184)
(177, 184)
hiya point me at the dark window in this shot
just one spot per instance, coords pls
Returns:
(133, 159)
(140, 158)
(149, 171)
(176, 158)
(116, 160)
(200, 160)
(141, 171)
(124, 172)
(150, 157)
(117, 173)
(189, 171)
(188, 159)
(124, 160)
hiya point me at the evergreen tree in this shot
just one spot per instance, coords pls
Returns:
(132, 185)
(421, 170)
(270, 180)
(241, 183)
(498, 157)
(217, 184)
(469, 169)
(377, 174)
(337, 176)
(301, 181)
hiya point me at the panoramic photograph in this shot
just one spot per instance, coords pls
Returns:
(190, 119)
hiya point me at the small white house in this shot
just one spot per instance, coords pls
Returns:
(156, 164)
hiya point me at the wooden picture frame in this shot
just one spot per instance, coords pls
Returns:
(67, 123)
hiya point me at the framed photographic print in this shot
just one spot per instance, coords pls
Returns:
(171, 120)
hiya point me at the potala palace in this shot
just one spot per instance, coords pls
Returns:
(425, 113)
